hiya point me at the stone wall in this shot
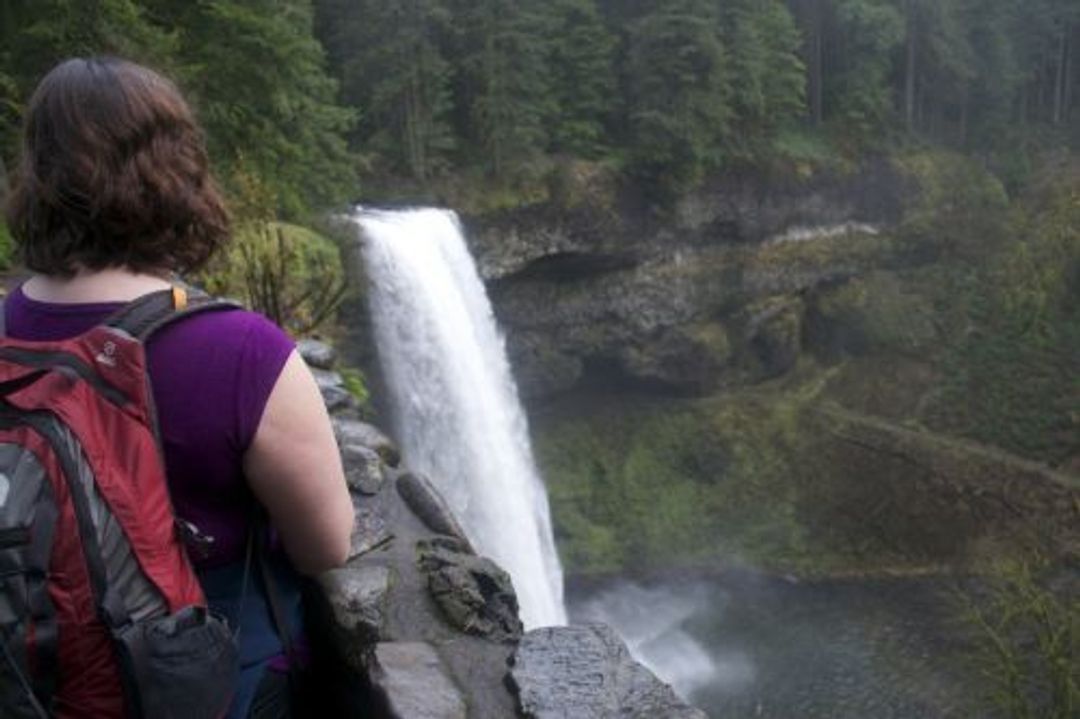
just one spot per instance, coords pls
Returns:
(416, 625)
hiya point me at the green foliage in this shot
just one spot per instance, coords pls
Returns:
(858, 91)
(288, 273)
(581, 65)
(1027, 629)
(962, 210)
(356, 384)
(1011, 378)
(390, 61)
(7, 248)
(641, 486)
(769, 90)
(255, 72)
(679, 94)
(505, 89)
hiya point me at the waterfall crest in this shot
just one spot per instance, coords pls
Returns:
(455, 406)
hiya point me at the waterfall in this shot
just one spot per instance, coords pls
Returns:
(455, 406)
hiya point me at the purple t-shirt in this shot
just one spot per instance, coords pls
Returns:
(211, 374)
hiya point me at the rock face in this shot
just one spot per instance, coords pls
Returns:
(417, 626)
(585, 672)
(595, 295)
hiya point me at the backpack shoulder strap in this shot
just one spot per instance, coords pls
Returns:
(144, 316)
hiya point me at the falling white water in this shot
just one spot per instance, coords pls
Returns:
(455, 404)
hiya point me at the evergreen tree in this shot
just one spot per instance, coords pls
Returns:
(37, 34)
(938, 64)
(769, 78)
(390, 62)
(858, 95)
(40, 33)
(504, 87)
(679, 93)
(257, 76)
(580, 60)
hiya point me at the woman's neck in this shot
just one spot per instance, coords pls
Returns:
(107, 285)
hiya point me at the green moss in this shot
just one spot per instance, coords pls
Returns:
(677, 483)
(7, 248)
(877, 312)
(356, 384)
(961, 210)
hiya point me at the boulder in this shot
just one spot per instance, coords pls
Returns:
(422, 498)
(355, 432)
(357, 601)
(318, 355)
(363, 469)
(475, 594)
(685, 360)
(775, 336)
(411, 680)
(586, 672)
(332, 387)
(370, 528)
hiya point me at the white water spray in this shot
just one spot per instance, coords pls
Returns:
(651, 622)
(455, 405)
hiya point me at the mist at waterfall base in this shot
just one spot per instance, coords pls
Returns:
(651, 620)
(455, 407)
(749, 645)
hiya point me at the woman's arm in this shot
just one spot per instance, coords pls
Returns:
(294, 469)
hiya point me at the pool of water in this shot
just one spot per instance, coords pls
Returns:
(748, 645)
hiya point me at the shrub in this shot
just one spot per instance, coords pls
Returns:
(1026, 625)
(289, 273)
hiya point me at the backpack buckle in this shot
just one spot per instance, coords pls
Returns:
(197, 542)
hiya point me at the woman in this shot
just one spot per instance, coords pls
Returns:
(112, 198)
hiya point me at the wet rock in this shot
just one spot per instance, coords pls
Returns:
(351, 431)
(776, 337)
(332, 387)
(370, 528)
(475, 595)
(427, 504)
(317, 354)
(357, 600)
(411, 679)
(363, 469)
(586, 672)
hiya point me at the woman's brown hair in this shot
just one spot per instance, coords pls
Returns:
(114, 173)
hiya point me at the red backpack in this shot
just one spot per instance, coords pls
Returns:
(101, 613)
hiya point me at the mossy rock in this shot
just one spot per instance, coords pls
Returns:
(774, 333)
(875, 313)
(688, 360)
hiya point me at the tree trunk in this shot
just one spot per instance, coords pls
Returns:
(1059, 77)
(964, 117)
(909, 74)
(1067, 90)
(816, 65)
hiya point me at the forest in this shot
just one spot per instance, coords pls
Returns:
(308, 104)
(949, 335)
